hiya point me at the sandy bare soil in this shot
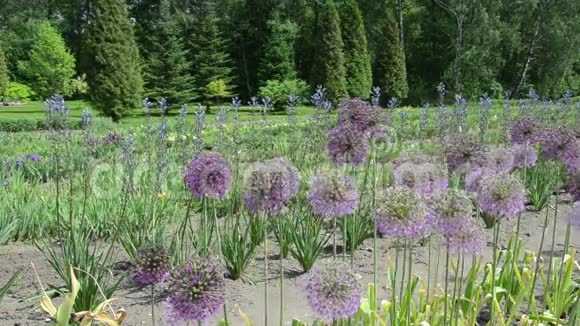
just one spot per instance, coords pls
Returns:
(19, 309)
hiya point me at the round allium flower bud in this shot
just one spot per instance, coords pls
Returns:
(574, 218)
(452, 209)
(269, 186)
(208, 175)
(412, 157)
(151, 267)
(463, 151)
(573, 185)
(332, 292)
(525, 130)
(195, 292)
(333, 195)
(400, 212)
(502, 196)
(467, 239)
(561, 145)
(523, 157)
(499, 160)
(346, 145)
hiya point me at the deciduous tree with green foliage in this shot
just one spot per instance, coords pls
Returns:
(167, 69)
(115, 80)
(357, 61)
(328, 60)
(389, 68)
(3, 74)
(50, 66)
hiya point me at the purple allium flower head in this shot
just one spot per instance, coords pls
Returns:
(473, 177)
(450, 210)
(502, 196)
(400, 212)
(268, 186)
(467, 240)
(112, 138)
(525, 130)
(574, 218)
(523, 157)
(333, 195)
(195, 291)
(293, 175)
(412, 157)
(332, 292)
(208, 175)
(561, 145)
(499, 160)
(347, 145)
(463, 151)
(355, 113)
(426, 179)
(151, 267)
(573, 186)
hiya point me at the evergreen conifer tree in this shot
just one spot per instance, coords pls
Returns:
(167, 70)
(3, 74)
(115, 78)
(357, 61)
(389, 67)
(208, 50)
(328, 61)
(277, 62)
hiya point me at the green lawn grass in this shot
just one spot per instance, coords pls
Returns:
(35, 110)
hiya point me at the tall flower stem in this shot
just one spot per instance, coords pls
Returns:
(219, 245)
(555, 227)
(538, 258)
(265, 271)
(281, 287)
(493, 268)
(404, 269)
(446, 302)
(334, 238)
(410, 276)
(153, 304)
(460, 287)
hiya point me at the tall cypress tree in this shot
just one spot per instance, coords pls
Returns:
(278, 63)
(115, 80)
(208, 50)
(3, 74)
(389, 66)
(357, 61)
(167, 69)
(328, 61)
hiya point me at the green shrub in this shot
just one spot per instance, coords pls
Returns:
(19, 92)
(278, 91)
(20, 125)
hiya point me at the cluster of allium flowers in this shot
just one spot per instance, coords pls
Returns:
(208, 175)
(426, 179)
(473, 177)
(561, 145)
(332, 195)
(463, 151)
(195, 291)
(332, 292)
(467, 239)
(412, 157)
(573, 185)
(502, 196)
(524, 155)
(269, 186)
(346, 145)
(151, 267)
(499, 160)
(525, 130)
(400, 212)
(450, 210)
(293, 175)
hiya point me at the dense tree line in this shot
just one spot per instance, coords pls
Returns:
(118, 51)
